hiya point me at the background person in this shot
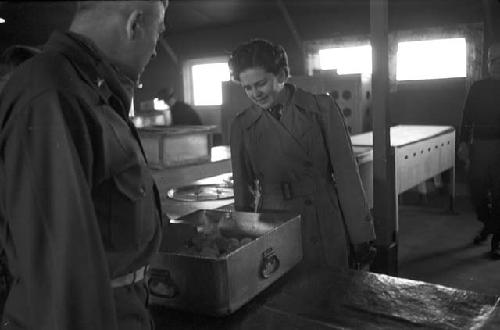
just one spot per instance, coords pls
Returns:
(181, 112)
(79, 210)
(479, 148)
(291, 151)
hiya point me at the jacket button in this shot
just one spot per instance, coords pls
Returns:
(308, 202)
(142, 191)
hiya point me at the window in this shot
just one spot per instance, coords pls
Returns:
(203, 80)
(347, 60)
(431, 59)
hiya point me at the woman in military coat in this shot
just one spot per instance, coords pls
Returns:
(290, 151)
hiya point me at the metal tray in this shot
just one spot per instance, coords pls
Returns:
(220, 284)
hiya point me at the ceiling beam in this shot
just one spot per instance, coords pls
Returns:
(291, 26)
(488, 19)
(166, 47)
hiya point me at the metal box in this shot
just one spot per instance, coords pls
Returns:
(220, 285)
(176, 145)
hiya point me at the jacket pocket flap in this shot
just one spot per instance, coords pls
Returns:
(131, 183)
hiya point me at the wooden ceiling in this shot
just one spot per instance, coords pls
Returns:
(32, 22)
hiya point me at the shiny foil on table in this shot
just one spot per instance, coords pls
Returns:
(339, 299)
(363, 300)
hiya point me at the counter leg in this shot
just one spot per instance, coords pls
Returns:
(452, 190)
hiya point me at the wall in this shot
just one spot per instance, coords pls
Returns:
(429, 102)
(423, 102)
(221, 41)
(211, 43)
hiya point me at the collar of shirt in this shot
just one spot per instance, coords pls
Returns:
(282, 101)
(113, 86)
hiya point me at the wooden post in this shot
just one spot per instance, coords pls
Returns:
(384, 182)
(166, 47)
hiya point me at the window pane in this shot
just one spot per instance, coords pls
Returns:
(431, 59)
(207, 79)
(347, 60)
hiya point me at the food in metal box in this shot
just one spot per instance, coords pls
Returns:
(233, 256)
(219, 236)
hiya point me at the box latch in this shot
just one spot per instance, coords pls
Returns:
(270, 263)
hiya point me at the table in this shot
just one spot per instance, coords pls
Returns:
(174, 209)
(330, 298)
(218, 171)
(419, 152)
(173, 177)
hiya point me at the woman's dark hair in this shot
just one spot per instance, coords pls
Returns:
(258, 53)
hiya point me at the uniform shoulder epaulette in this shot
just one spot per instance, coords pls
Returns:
(248, 116)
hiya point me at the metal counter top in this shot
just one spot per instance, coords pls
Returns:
(346, 299)
(402, 135)
(218, 171)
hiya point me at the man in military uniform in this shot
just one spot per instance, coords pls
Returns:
(480, 150)
(79, 211)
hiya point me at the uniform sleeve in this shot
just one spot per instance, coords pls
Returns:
(60, 257)
(351, 194)
(242, 174)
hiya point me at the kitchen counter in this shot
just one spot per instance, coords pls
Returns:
(220, 162)
(340, 299)
(346, 299)
(175, 208)
(218, 171)
(214, 171)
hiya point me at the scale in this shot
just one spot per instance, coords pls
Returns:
(209, 193)
(201, 193)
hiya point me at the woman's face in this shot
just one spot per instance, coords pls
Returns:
(262, 87)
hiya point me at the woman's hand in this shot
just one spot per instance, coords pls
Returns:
(363, 255)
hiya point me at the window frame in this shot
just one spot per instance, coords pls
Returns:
(472, 32)
(428, 38)
(348, 45)
(187, 74)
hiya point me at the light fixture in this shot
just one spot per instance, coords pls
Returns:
(2, 20)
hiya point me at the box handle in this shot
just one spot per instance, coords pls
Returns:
(161, 284)
(270, 263)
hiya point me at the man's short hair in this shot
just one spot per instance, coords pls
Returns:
(87, 6)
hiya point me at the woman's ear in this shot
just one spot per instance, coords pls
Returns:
(282, 77)
(134, 22)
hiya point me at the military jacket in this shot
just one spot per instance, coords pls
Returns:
(78, 205)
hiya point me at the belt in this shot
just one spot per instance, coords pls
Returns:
(129, 278)
(289, 189)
